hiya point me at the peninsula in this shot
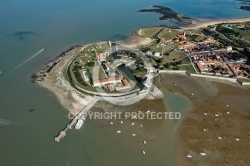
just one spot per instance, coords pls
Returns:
(121, 72)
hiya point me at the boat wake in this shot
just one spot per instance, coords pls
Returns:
(24, 62)
(5, 122)
(29, 59)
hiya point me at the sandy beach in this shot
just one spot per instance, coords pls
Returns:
(205, 23)
(68, 97)
(136, 39)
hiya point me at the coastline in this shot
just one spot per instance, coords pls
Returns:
(75, 101)
(51, 78)
(68, 97)
(136, 39)
(219, 110)
(204, 23)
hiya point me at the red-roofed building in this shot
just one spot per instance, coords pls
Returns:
(125, 86)
(105, 81)
(111, 87)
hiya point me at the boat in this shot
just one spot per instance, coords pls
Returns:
(119, 131)
(134, 135)
(188, 155)
(80, 123)
(143, 152)
(144, 142)
(31, 110)
(121, 122)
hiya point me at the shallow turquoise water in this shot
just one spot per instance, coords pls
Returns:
(26, 27)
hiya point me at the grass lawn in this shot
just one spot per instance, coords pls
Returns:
(168, 34)
(175, 55)
(244, 79)
(100, 48)
(187, 68)
(149, 32)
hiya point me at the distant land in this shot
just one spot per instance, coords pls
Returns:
(169, 14)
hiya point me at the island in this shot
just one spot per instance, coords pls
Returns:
(122, 72)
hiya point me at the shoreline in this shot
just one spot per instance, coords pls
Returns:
(136, 39)
(50, 77)
(202, 23)
(75, 101)
(215, 106)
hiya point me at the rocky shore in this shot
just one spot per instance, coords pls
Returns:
(42, 73)
(247, 8)
(51, 77)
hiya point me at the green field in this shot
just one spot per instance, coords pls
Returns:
(150, 32)
(188, 68)
(168, 34)
(175, 55)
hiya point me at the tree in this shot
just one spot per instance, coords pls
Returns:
(166, 65)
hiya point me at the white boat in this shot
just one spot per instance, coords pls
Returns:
(111, 122)
(134, 135)
(188, 155)
(143, 152)
(121, 122)
(119, 131)
(144, 142)
(132, 124)
(79, 123)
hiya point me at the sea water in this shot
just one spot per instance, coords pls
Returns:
(27, 26)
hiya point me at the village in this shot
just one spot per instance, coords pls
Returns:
(206, 54)
(113, 68)
(210, 58)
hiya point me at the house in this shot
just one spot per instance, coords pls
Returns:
(105, 81)
(103, 57)
(125, 85)
(111, 87)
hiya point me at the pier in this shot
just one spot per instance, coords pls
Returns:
(72, 123)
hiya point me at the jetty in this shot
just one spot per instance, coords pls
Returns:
(72, 123)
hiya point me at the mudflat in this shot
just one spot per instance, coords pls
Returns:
(217, 130)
